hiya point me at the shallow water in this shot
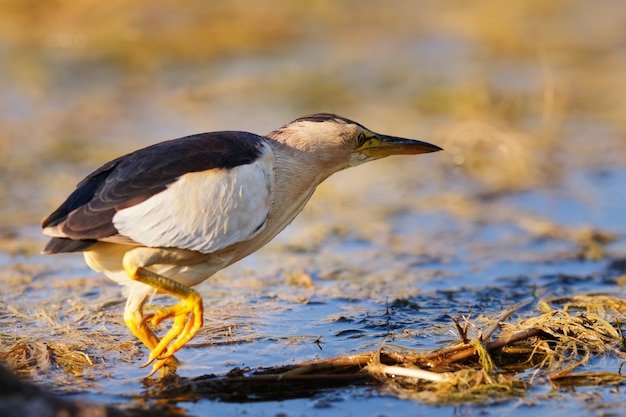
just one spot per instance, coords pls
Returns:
(363, 295)
(515, 208)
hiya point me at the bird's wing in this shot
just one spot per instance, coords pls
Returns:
(202, 211)
(201, 192)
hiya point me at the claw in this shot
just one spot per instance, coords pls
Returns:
(150, 360)
(187, 317)
(165, 366)
(153, 371)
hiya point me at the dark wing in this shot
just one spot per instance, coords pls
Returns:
(86, 216)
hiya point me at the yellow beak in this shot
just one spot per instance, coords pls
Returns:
(380, 146)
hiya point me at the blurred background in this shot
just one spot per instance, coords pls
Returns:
(515, 92)
(528, 99)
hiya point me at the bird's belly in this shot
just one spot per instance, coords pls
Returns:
(108, 259)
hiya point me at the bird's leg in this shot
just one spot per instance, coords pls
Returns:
(135, 321)
(187, 317)
(187, 314)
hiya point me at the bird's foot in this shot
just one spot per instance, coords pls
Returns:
(187, 316)
(166, 367)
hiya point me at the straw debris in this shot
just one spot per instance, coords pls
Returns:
(557, 342)
(499, 364)
(24, 357)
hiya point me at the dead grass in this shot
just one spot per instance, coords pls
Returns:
(74, 342)
(568, 334)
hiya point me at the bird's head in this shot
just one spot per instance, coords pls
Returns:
(340, 143)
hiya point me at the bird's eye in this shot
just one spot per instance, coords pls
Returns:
(360, 139)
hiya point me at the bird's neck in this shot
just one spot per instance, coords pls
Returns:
(296, 176)
(295, 180)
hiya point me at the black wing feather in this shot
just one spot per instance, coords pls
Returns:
(87, 213)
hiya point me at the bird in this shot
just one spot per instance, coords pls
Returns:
(166, 217)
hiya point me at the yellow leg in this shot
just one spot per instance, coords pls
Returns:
(187, 316)
(136, 322)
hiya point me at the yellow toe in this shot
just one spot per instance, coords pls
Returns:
(187, 320)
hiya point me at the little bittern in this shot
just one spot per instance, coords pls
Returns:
(165, 218)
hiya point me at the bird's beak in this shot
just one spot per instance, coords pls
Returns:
(379, 146)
